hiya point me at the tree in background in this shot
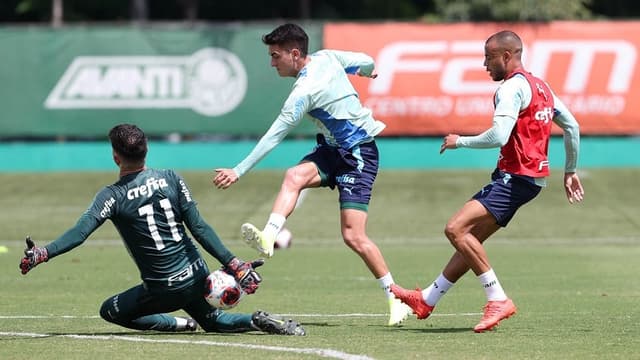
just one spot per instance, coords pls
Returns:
(511, 10)
(74, 11)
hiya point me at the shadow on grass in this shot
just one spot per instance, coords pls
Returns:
(199, 333)
(323, 324)
(432, 330)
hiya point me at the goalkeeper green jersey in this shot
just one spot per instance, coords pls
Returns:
(150, 209)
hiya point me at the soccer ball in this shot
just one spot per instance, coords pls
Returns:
(222, 291)
(283, 239)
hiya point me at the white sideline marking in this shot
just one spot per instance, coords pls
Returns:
(327, 353)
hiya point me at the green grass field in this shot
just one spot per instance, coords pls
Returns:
(571, 270)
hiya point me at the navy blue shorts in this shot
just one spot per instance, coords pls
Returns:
(353, 171)
(506, 194)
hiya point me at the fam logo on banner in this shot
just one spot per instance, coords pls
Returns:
(212, 82)
(431, 79)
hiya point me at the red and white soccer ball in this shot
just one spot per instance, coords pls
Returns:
(222, 291)
(283, 239)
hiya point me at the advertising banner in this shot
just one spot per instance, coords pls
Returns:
(432, 80)
(79, 81)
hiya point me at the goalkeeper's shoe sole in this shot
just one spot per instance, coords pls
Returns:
(256, 239)
(276, 325)
(413, 298)
(398, 312)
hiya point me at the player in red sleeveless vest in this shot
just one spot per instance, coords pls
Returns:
(524, 109)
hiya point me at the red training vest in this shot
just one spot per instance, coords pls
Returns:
(526, 152)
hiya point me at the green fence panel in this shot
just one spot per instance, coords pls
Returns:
(213, 80)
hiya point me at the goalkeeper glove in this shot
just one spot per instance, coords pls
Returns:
(244, 273)
(33, 256)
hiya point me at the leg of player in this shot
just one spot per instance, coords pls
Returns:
(424, 301)
(214, 320)
(353, 224)
(297, 178)
(467, 230)
(131, 309)
(284, 237)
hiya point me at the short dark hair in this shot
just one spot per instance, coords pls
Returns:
(289, 36)
(129, 141)
(508, 40)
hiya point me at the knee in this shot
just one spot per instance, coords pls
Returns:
(294, 179)
(449, 231)
(356, 241)
(452, 231)
(109, 309)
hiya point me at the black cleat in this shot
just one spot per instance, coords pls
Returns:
(276, 325)
(192, 325)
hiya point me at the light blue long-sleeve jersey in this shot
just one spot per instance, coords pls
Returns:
(323, 91)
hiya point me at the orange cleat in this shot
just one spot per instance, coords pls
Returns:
(413, 298)
(494, 312)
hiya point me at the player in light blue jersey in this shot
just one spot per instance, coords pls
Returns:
(346, 156)
(152, 209)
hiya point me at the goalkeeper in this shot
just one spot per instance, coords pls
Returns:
(150, 209)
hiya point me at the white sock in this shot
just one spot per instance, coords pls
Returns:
(492, 286)
(385, 283)
(181, 323)
(274, 225)
(436, 290)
